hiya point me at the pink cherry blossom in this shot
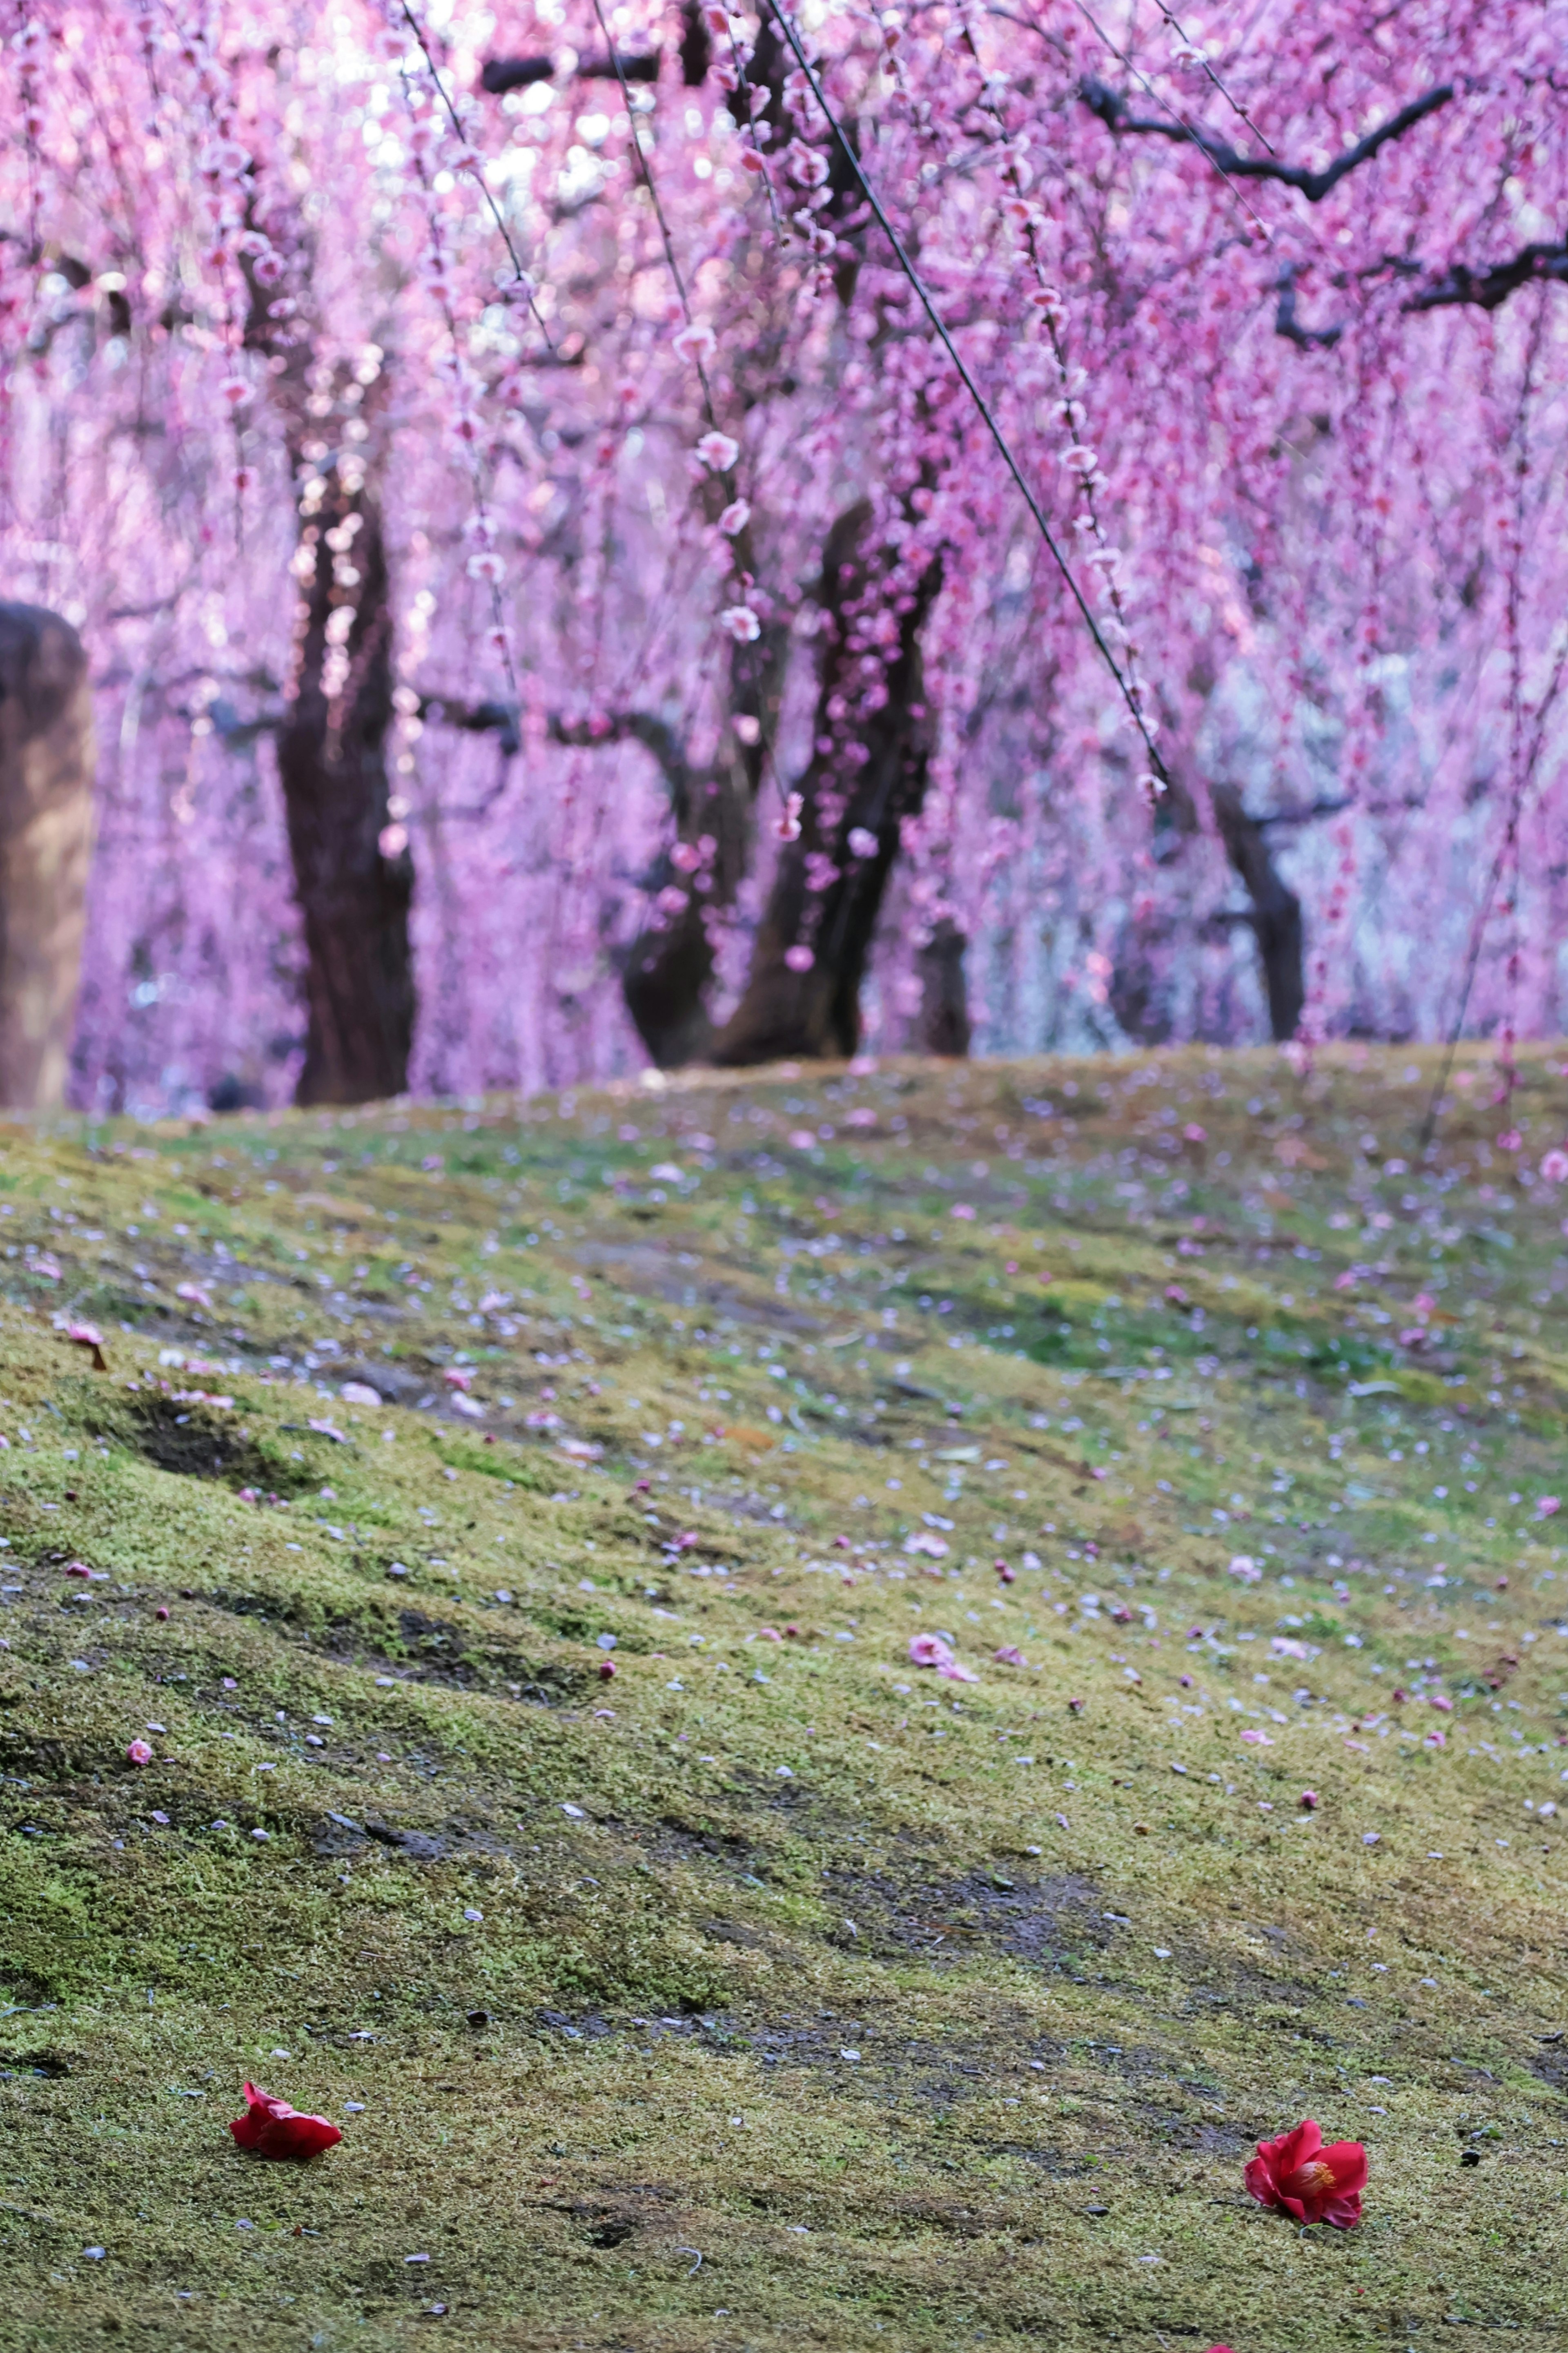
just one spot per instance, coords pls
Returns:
(699, 342)
(929, 1650)
(506, 454)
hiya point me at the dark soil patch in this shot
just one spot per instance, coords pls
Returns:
(434, 1650)
(194, 1441)
(1548, 2063)
(1047, 1922)
(444, 1652)
(419, 1846)
(51, 2063)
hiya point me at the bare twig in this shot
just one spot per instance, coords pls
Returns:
(786, 27)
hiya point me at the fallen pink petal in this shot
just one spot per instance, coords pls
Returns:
(928, 1650)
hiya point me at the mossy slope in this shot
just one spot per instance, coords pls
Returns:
(924, 2012)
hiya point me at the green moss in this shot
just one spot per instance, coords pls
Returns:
(873, 1989)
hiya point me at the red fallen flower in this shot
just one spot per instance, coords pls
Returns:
(272, 2128)
(1302, 2177)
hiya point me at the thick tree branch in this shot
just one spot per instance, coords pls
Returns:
(500, 719)
(1112, 110)
(498, 74)
(1310, 815)
(474, 718)
(656, 735)
(1286, 323)
(1533, 265)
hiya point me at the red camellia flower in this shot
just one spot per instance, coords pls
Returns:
(272, 2128)
(1300, 2177)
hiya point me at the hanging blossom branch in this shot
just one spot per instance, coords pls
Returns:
(1111, 108)
(224, 167)
(467, 159)
(1514, 533)
(1080, 459)
(1127, 684)
(755, 104)
(1178, 127)
(717, 450)
(1189, 53)
(1541, 714)
(485, 563)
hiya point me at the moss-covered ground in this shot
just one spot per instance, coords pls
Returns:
(772, 1990)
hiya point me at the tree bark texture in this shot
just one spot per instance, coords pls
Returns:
(1276, 910)
(944, 1025)
(47, 763)
(668, 968)
(868, 772)
(1274, 913)
(331, 763)
(355, 900)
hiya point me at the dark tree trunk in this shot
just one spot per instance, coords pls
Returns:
(331, 746)
(945, 1024)
(668, 971)
(332, 763)
(1276, 910)
(45, 845)
(669, 967)
(1274, 914)
(868, 773)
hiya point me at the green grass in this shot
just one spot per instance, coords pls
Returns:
(926, 2013)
